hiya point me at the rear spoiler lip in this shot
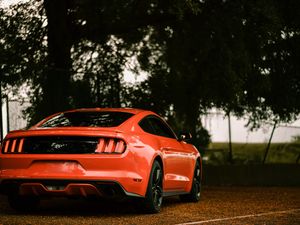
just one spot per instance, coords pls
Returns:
(70, 131)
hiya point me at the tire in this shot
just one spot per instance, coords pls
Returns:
(23, 203)
(154, 195)
(195, 194)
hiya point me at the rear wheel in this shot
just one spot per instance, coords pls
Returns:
(154, 195)
(23, 203)
(194, 195)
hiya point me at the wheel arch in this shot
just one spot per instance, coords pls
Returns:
(199, 160)
(159, 159)
(196, 159)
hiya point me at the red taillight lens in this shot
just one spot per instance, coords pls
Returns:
(13, 145)
(105, 145)
(6, 144)
(110, 145)
(120, 147)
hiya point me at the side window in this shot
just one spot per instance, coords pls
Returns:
(155, 126)
(161, 128)
(146, 126)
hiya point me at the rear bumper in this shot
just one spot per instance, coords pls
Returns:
(64, 188)
(130, 171)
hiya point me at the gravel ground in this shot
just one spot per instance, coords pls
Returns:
(219, 205)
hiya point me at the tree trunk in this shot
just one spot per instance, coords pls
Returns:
(230, 158)
(269, 144)
(56, 85)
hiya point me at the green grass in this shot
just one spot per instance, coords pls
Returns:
(252, 153)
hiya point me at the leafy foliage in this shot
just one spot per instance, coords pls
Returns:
(23, 45)
(239, 56)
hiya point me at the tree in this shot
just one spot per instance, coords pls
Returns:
(244, 62)
(238, 56)
(23, 48)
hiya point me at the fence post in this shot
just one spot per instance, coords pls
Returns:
(1, 123)
(7, 114)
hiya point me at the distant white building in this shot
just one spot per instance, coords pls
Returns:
(12, 116)
(217, 124)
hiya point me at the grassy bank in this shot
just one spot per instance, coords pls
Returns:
(252, 153)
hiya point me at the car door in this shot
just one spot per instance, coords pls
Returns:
(176, 158)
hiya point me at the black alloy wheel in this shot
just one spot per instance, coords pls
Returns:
(195, 194)
(154, 195)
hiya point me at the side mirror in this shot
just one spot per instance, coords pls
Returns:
(184, 136)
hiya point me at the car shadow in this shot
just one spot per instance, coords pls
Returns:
(85, 207)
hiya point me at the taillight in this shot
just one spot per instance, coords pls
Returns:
(104, 145)
(110, 145)
(13, 145)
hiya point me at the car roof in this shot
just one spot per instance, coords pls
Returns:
(126, 110)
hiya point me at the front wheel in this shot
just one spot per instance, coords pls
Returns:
(194, 195)
(154, 195)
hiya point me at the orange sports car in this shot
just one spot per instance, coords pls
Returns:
(101, 152)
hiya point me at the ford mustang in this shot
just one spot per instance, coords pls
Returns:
(100, 152)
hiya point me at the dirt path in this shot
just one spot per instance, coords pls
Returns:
(219, 205)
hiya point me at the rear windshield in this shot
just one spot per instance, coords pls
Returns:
(87, 119)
